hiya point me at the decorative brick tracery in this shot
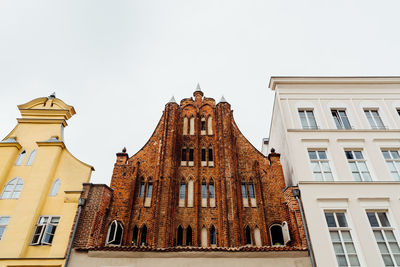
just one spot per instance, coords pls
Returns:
(235, 161)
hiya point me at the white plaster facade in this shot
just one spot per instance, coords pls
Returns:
(340, 192)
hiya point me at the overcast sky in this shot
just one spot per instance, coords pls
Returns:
(119, 62)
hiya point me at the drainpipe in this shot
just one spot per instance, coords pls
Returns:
(296, 194)
(81, 203)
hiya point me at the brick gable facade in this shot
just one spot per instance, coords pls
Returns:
(196, 173)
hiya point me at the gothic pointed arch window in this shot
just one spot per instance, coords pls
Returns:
(13, 189)
(257, 236)
(191, 156)
(211, 192)
(149, 193)
(190, 193)
(203, 157)
(114, 235)
(247, 233)
(191, 127)
(252, 194)
(189, 236)
(31, 157)
(245, 200)
(20, 158)
(203, 193)
(184, 156)
(185, 126)
(141, 187)
(204, 241)
(276, 235)
(209, 126)
(210, 157)
(135, 235)
(182, 192)
(213, 236)
(179, 236)
(143, 236)
(203, 126)
(55, 187)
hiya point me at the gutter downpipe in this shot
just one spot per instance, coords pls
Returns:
(81, 203)
(296, 194)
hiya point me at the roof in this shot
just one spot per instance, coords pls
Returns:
(275, 80)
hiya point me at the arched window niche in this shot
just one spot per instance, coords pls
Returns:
(31, 157)
(114, 235)
(203, 126)
(189, 236)
(12, 189)
(211, 189)
(182, 192)
(209, 126)
(204, 241)
(203, 193)
(280, 235)
(135, 235)
(143, 236)
(190, 193)
(55, 187)
(213, 236)
(247, 235)
(185, 126)
(179, 236)
(20, 158)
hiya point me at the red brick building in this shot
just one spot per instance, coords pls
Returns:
(198, 185)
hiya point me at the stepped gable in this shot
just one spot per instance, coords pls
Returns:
(197, 182)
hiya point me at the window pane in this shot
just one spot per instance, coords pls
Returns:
(341, 219)
(354, 260)
(350, 248)
(338, 248)
(211, 188)
(315, 167)
(251, 190)
(335, 236)
(325, 167)
(318, 176)
(312, 154)
(341, 260)
(383, 248)
(349, 155)
(372, 219)
(389, 235)
(378, 235)
(182, 191)
(346, 236)
(244, 193)
(383, 219)
(387, 260)
(386, 154)
(328, 176)
(358, 155)
(203, 190)
(346, 123)
(394, 247)
(395, 154)
(322, 154)
(330, 220)
(397, 259)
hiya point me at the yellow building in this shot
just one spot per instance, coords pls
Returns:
(40, 186)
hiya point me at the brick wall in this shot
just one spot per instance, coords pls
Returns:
(235, 161)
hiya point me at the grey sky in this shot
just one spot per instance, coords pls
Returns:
(119, 62)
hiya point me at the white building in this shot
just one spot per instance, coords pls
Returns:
(339, 140)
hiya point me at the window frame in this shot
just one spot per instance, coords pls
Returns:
(55, 188)
(395, 161)
(4, 225)
(340, 230)
(373, 120)
(306, 112)
(357, 163)
(108, 241)
(338, 119)
(383, 230)
(320, 162)
(21, 158)
(43, 230)
(14, 188)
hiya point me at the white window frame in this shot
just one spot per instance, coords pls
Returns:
(44, 227)
(340, 118)
(357, 163)
(31, 158)
(14, 192)
(394, 161)
(117, 224)
(374, 121)
(320, 162)
(308, 119)
(383, 230)
(21, 157)
(4, 224)
(55, 187)
(340, 229)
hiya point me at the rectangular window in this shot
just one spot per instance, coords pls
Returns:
(244, 191)
(358, 166)
(204, 190)
(340, 118)
(45, 230)
(384, 236)
(393, 161)
(182, 191)
(307, 119)
(342, 241)
(320, 165)
(210, 154)
(184, 154)
(374, 119)
(141, 189)
(191, 154)
(251, 190)
(3, 224)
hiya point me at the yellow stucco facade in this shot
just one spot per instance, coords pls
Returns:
(40, 183)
